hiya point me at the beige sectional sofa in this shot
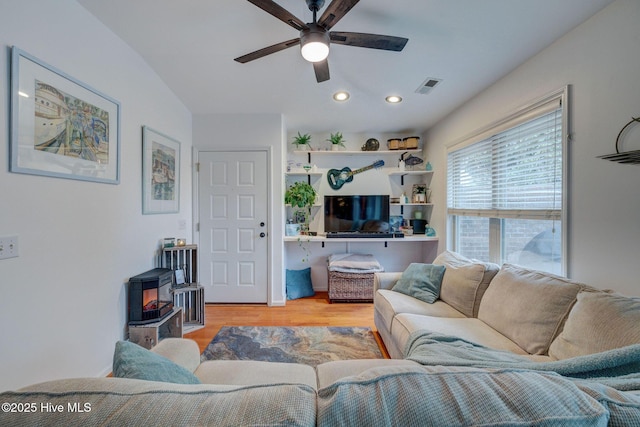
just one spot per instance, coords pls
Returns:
(231, 393)
(387, 392)
(542, 317)
(538, 315)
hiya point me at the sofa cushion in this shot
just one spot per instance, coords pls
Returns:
(527, 306)
(469, 329)
(389, 303)
(183, 351)
(623, 407)
(132, 361)
(464, 281)
(421, 281)
(599, 321)
(255, 372)
(330, 372)
(456, 396)
(299, 284)
(128, 402)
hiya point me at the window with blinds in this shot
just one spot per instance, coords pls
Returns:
(506, 188)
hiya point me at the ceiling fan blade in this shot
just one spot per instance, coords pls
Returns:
(279, 12)
(322, 70)
(335, 12)
(372, 41)
(267, 51)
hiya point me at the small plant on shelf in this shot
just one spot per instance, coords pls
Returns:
(336, 140)
(301, 196)
(419, 193)
(301, 140)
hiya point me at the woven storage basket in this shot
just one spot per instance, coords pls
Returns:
(350, 286)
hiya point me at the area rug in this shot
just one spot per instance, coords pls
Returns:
(309, 345)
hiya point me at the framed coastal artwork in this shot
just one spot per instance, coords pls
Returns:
(61, 127)
(160, 173)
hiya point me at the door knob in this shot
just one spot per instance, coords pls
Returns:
(262, 234)
(262, 224)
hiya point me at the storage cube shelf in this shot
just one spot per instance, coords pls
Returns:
(191, 300)
(182, 257)
(190, 296)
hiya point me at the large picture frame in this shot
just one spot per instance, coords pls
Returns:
(61, 127)
(160, 173)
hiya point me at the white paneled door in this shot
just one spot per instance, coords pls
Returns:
(232, 187)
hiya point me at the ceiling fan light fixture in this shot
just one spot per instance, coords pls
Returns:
(314, 43)
(393, 99)
(315, 51)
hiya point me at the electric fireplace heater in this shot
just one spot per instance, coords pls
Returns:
(150, 297)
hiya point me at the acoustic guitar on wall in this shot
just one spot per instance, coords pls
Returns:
(338, 177)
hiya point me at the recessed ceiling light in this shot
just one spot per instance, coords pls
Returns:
(341, 96)
(393, 99)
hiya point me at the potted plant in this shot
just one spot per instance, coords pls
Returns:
(301, 196)
(302, 140)
(336, 140)
(419, 193)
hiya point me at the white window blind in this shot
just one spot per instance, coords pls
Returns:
(515, 173)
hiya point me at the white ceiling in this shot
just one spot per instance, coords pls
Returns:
(469, 44)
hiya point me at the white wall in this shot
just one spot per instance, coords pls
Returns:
(251, 131)
(600, 60)
(63, 303)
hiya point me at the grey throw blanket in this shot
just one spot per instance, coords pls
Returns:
(619, 368)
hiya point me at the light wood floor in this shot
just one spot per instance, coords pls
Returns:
(312, 311)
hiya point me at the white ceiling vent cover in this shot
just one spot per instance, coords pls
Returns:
(427, 85)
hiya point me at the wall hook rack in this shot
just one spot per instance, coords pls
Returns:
(625, 157)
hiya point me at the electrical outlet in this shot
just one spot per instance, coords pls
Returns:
(8, 247)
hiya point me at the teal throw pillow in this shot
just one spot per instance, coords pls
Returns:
(299, 284)
(132, 361)
(421, 281)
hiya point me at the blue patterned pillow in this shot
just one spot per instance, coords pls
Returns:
(421, 281)
(299, 284)
(132, 361)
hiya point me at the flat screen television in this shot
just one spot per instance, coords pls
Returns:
(358, 213)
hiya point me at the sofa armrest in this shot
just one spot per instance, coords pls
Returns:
(182, 351)
(385, 280)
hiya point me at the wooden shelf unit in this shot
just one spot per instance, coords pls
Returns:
(190, 296)
(191, 300)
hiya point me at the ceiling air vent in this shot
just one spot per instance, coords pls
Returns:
(427, 85)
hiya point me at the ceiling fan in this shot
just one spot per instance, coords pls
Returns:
(315, 36)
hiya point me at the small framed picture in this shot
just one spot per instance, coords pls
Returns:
(179, 277)
(160, 173)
